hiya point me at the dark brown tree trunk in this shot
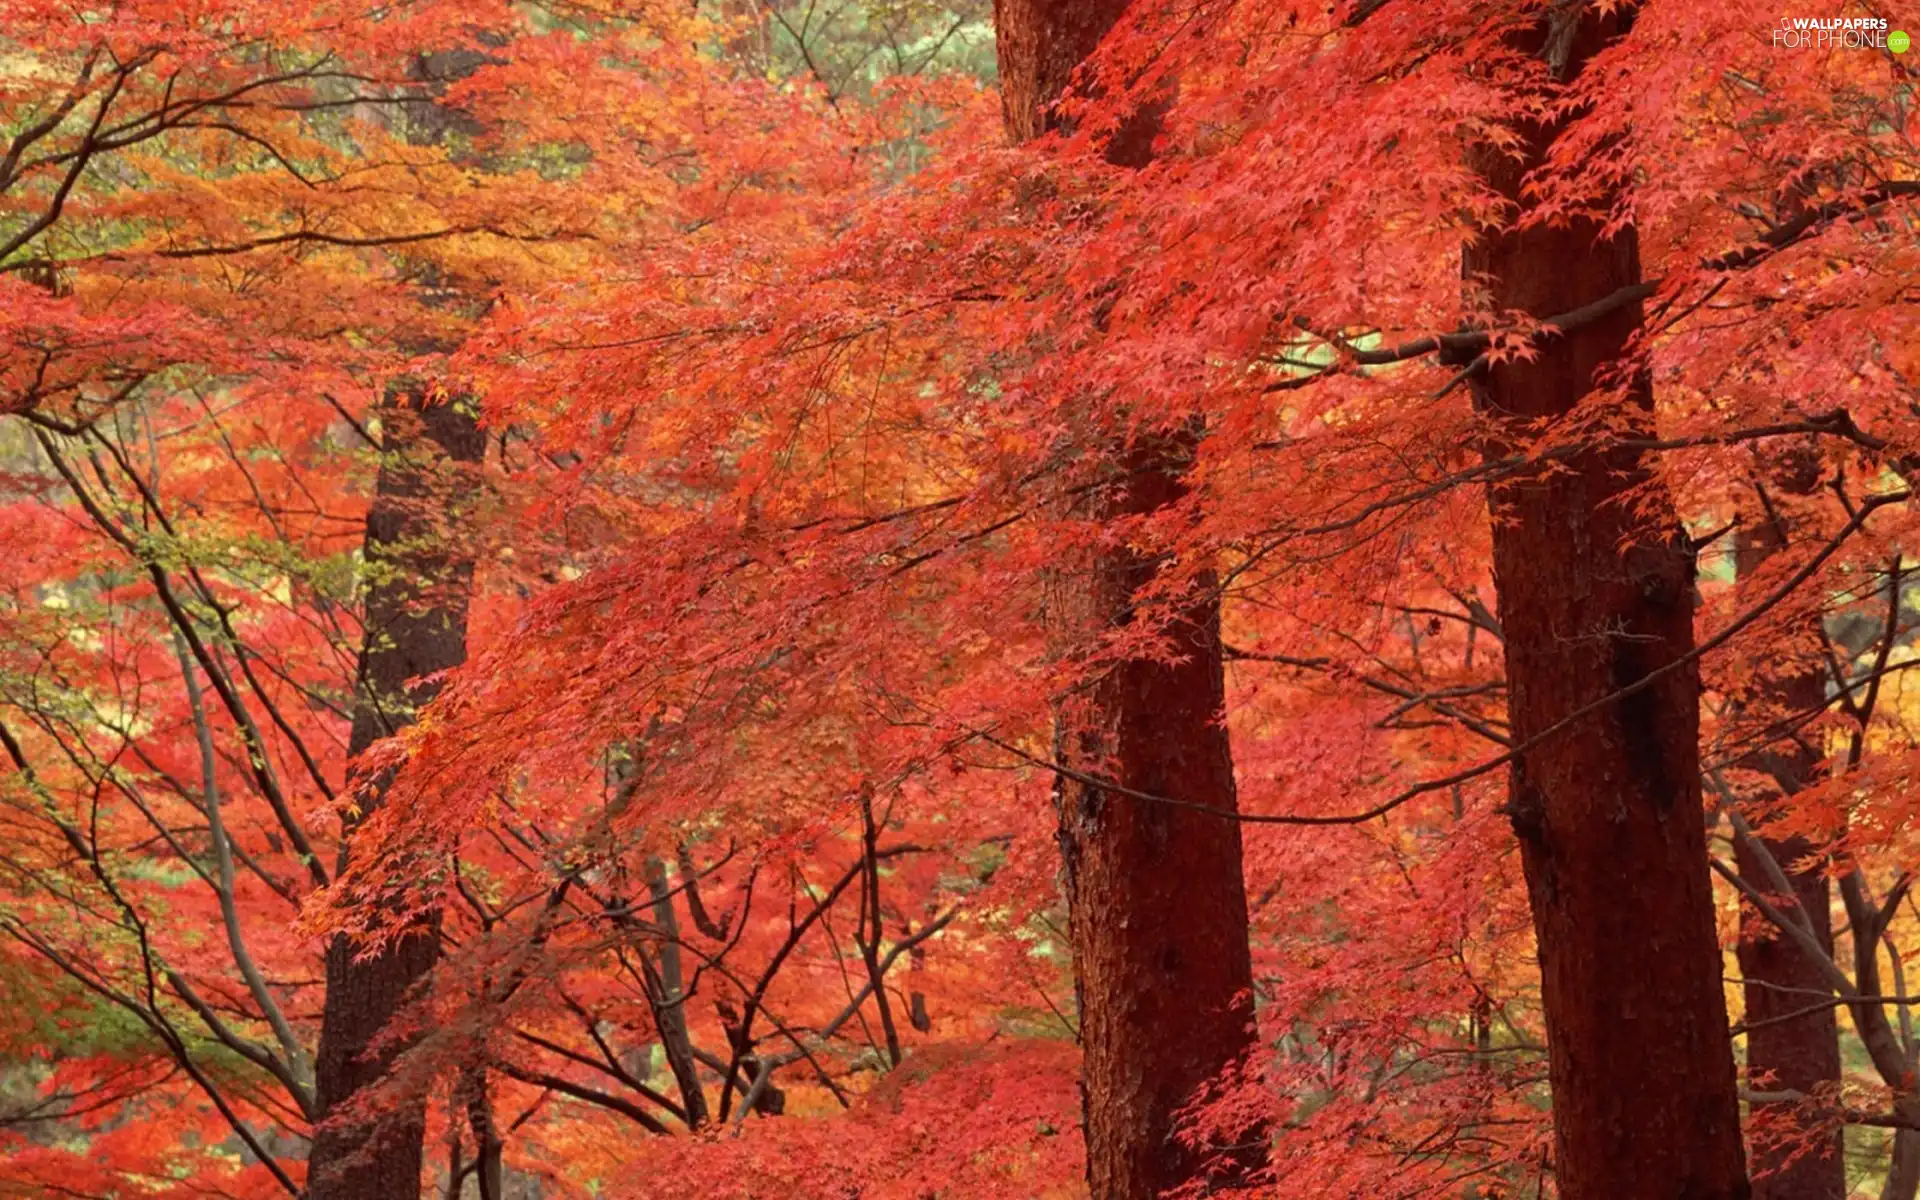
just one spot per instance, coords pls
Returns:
(1789, 1048)
(1596, 595)
(667, 996)
(488, 1162)
(1903, 1167)
(1156, 901)
(416, 623)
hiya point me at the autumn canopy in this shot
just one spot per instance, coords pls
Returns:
(947, 600)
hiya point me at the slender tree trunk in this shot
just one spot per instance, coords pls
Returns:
(1903, 1170)
(416, 620)
(1157, 907)
(1789, 1047)
(489, 1169)
(667, 996)
(1885, 1045)
(1156, 899)
(1596, 594)
(1793, 1049)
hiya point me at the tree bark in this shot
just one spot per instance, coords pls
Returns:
(489, 1169)
(416, 619)
(1596, 594)
(1156, 899)
(667, 997)
(1791, 1048)
(1788, 1047)
(1040, 44)
(1903, 1167)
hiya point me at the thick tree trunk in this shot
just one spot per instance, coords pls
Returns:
(1040, 43)
(416, 621)
(1596, 594)
(1789, 1047)
(1156, 900)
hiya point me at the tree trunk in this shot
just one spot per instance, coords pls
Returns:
(1788, 1047)
(1040, 43)
(1596, 594)
(416, 621)
(1784, 1051)
(489, 1171)
(1903, 1169)
(1156, 900)
(1156, 903)
(667, 997)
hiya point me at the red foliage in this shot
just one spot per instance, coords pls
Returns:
(790, 391)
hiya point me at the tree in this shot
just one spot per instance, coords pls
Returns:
(1789, 1049)
(415, 630)
(1156, 900)
(1595, 582)
(171, 183)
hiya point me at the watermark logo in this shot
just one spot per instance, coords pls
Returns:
(1839, 33)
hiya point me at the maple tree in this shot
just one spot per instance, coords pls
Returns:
(1155, 895)
(891, 599)
(1595, 607)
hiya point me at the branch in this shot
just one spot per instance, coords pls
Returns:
(1852, 1116)
(1469, 348)
(625, 1108)
(299, 1072)
(1113, 787)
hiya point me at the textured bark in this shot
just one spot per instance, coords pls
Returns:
(1789, 1048)
(416, 619)
(667, 998)
(1785, 1051)
(1156, 899)
(1040, 43)
(1594, 597)
(1156, 902)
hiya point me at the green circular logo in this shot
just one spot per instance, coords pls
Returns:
(1898, 41)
